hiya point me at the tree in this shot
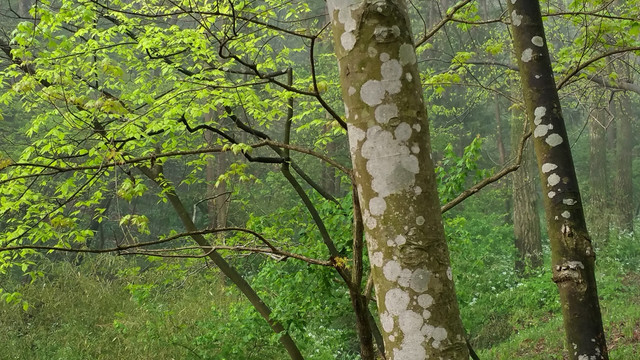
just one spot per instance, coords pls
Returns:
(394, 176)
(526, 221)
(598, 220)
(572, 255)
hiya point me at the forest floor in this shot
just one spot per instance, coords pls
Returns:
(108, 307)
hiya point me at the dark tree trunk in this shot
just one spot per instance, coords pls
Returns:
(572, 255)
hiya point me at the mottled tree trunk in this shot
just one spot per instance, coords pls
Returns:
(395, 180)
(572, 255)
(623, 196)
(598, 215)
(526, 221)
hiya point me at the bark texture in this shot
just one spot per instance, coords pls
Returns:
(572, 255)
(526, 221)
(395, 180)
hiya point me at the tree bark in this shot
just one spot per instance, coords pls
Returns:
(526, 221)
(572, 255)
(395, 180)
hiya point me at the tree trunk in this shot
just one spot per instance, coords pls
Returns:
(598, 215)
(572, 256)
(155, 174)
(623, 206)
(526, 221)
(395, 180)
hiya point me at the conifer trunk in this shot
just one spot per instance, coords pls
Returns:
(572, 255)
(395, 180)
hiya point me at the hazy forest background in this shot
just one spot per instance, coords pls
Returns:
(176, 178)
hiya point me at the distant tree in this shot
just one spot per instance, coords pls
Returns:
(526, 221)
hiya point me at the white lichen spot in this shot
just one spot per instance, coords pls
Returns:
(407, 54)
(386, 320)
(396, 301)
(537, 41)
(355, 136)
(551, 194)
(392, 338)
(553, 179)
(420, 220)
(449, 273)
(377, 206)
(415, 148)
(420, 280)
(565, 214)
(372, 51)
(352, 90)
(546, 167)
(569, 202)
(385, 112)
(348, 40)
(527, 55)
(539, 112)
(402, 132)
(417, 190)
(425, 300)
(410, 322)
(537, 76)
(392, 270)
(372, 92)
(541, 130)
(408, 76)
(390, 162)
(384, 57)
(439, 334)
(405, 277)
(554, 140)
(516, 19)
(426, 314)
(417, 127)
(370, 222)
(400, 240)
(376, 259)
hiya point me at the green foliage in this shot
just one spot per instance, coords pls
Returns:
(456, 173)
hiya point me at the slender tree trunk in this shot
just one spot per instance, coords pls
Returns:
(395, 180)
(623, 196)
(155, 174)
(572, 255)
(526, 221)
(598, 215)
